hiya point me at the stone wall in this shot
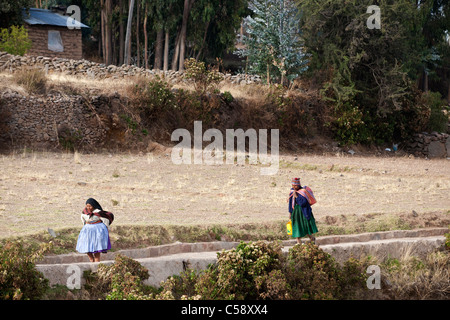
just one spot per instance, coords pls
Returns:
(54, 121)
(100, 71)
(430, 145)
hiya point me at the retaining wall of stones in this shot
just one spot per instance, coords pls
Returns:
(430, 145)
(55, 120)
(11, 63)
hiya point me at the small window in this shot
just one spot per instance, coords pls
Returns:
(55, 42)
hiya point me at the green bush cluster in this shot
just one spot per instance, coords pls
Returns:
(205, 79)
(259, 270)
(19, 279)
(152, 98)
(15, 40)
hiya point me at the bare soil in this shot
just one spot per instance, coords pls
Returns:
(40, 190)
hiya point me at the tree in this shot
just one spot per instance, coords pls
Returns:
(213, 25)
(369, 74)
(11, 12)
(127, 55)
(273, 44)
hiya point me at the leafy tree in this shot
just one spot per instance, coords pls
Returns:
(11, 12)
(273, 44)
(213, 25)
(371, 73)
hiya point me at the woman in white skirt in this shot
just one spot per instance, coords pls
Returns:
(94, 236)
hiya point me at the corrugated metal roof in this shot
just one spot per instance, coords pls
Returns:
(49, 18)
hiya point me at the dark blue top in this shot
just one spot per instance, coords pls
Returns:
(303, 203)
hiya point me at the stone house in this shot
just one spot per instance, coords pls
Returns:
(53, 34)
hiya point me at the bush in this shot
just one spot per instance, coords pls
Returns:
(438, 119)
(241, 273)
(15, 40)
(348, 125)
(121, 280)
(152, 97)
(19, 279)
(312, 273)
(33, 80)
(180, 287)
(259, 270)
(205, 79)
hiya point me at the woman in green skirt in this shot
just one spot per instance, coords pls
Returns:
(300, 201)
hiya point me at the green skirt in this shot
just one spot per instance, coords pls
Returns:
(300, 225)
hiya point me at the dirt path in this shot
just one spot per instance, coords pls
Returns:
(48, 190)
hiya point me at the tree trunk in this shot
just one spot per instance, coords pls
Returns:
(166, 53)
(146, 37)
(187, 7)
(121, 33)
(138, 49)
(448, 94)
(159, 49)
(108, 32)
(102, 29)
(176, 53)
(425, 81)
(128, 36)
(203, 42)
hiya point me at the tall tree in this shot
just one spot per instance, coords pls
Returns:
(127, 56)
(107, 20)
(11, 12)
(273, 44)
(187, 8)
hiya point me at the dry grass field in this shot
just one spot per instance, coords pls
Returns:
(49, 190)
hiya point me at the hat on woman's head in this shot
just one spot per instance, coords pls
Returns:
(296, 181)
(94, 204)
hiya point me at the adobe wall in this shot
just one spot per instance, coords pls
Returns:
(71, 41)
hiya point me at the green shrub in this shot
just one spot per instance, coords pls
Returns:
(226, 95)
(240, 273)
(348, 125)
(438, 119)
(19, 279)
(314, 274)
(15, 40)
(152, 97)
(205, 79)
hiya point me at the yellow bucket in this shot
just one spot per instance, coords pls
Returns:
(289, 228)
